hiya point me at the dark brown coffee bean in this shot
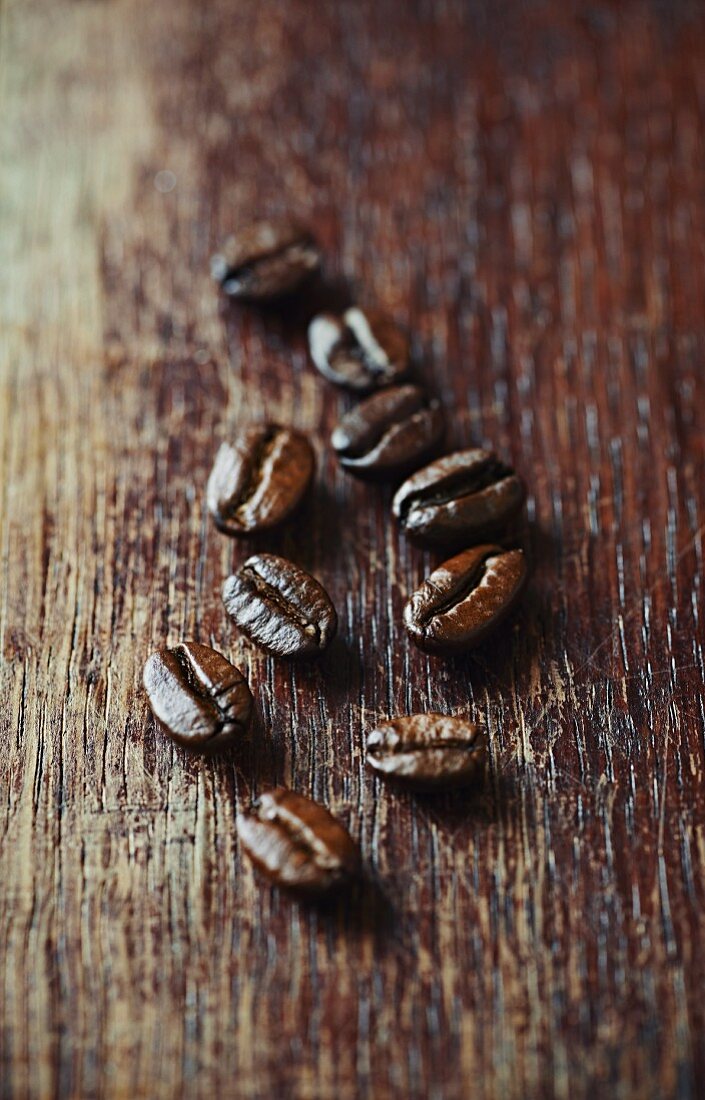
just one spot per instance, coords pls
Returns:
(201, 700)
(280, 607)
(297, 843)
(259, 481)
(464, 497)
(463, 601)
(266, 260)
(362, 350)
(428, 751)
(389, 434)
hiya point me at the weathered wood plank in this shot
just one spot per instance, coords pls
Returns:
(526, 188)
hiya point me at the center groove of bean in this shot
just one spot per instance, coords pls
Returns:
(422, 746)
(261, 452)
(272, 594)
(460, 591)
(457, 486)
(299, 834)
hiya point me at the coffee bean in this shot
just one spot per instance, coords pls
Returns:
(388, 434)
(362, 350)
(297, 843)
(463, 601)
(280, 607)
(428, 751)
(201, 700)
(464, 497)
(259, 481)
(266, 260)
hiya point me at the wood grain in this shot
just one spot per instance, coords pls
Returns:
(524, 185)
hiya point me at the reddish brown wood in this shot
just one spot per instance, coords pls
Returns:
(524, 186)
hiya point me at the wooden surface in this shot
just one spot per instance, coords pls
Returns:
(524, 184)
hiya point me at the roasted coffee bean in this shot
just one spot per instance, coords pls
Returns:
(463, 601)
(362, 350)
(428, 751)
(389, 434)
(280, 607)
(297, 843)
(464, 497)
(265, 261)
(259, 481)
(201, 700)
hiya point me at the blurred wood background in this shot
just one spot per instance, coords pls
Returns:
(524, 185)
